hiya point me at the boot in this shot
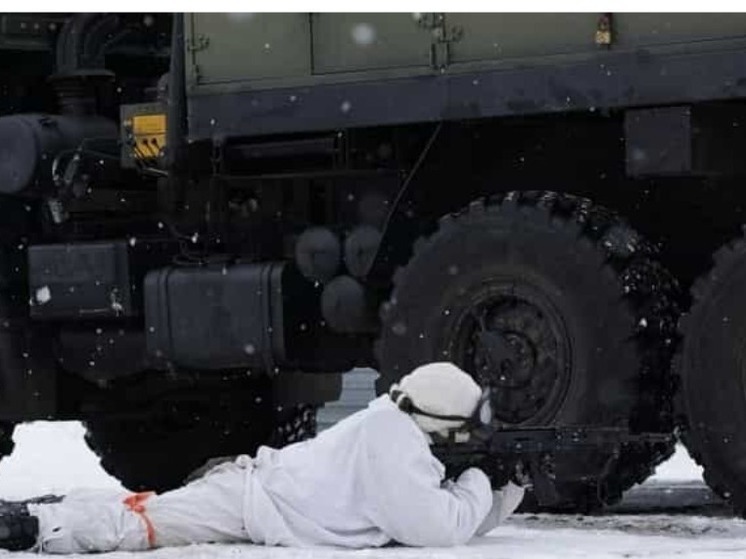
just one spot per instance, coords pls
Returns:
(19, 530)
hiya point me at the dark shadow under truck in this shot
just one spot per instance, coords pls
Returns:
(207, 217)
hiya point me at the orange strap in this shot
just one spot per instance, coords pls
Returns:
(136, 503)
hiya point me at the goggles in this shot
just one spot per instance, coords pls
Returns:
(482, 412)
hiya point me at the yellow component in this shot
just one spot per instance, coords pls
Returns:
(603, 38)
(605, 30)
(149, 124)
(149, 134)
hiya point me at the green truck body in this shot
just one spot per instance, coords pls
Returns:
(231, 52)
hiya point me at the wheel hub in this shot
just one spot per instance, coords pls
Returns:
(515, 341)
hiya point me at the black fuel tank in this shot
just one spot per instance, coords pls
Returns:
(215, 318)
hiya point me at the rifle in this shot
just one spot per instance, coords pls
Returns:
(499, 450)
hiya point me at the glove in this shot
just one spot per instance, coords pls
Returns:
(504, 503)
(207, 466)
(499, 471)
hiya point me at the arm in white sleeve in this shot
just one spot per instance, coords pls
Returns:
(504, 501)
(403, 491)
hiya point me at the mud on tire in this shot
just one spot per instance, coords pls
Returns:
(590, 314)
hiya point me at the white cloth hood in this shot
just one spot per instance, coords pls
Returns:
(440, 388)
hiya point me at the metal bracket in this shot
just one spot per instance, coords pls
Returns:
(198, 43)
(197, 73)
(442, 37)
(428, 21)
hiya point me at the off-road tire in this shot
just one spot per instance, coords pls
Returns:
(293, 425)
(619, 308)
(158, 453)
(712, 367)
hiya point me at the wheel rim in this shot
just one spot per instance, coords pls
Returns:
(514, 339)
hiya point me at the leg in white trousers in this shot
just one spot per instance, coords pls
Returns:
(209, 509)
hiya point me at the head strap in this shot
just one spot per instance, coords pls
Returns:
(405, 404)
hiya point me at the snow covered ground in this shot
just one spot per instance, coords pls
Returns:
(678, 468)
(52, 457)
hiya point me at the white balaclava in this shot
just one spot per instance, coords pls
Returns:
(442, 389)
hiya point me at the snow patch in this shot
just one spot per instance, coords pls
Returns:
(680, 467)
(50, 457)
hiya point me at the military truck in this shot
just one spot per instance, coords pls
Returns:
(208, 218)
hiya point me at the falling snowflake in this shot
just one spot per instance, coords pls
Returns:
(43, 295)
(363, 34)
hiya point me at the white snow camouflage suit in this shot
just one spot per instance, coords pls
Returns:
(368, 480)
